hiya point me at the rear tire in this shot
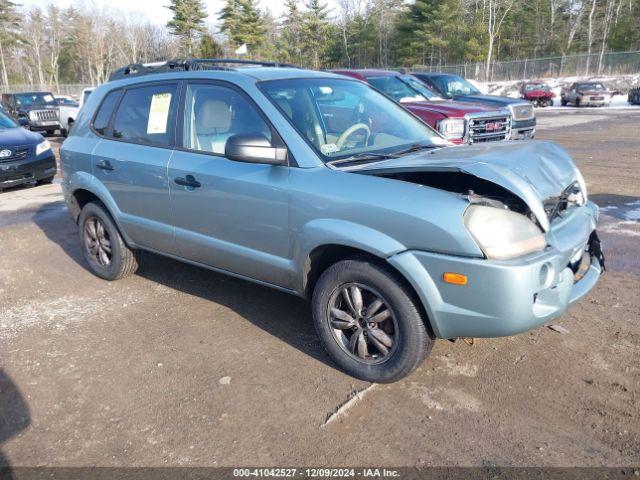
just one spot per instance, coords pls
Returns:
(578, 102)
(103, 248)
(393, 330)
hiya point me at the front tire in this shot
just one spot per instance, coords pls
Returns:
(103, 248)
(369, 321)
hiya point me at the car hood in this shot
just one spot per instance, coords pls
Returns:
(446, 108)
(28, 108)
(488, 100)
(18, 136)
(532, 170)
(539, 93)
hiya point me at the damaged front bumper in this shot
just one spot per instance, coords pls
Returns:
(507, 297)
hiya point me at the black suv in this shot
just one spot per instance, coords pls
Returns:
(37, 111)
(25, 157)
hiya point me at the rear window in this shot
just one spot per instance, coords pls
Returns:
(101, 121)
(145, 114)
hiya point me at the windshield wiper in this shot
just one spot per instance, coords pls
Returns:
(363, 157)
(414, 148)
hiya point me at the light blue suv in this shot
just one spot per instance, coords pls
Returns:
(318, 185)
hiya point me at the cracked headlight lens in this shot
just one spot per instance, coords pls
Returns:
(503, 234)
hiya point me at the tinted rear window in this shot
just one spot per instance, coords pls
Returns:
(101, 122)
(145, 115)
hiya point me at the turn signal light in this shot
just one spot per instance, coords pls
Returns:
(454, 278)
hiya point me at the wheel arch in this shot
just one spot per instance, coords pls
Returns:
(86, 189)
(323, 256)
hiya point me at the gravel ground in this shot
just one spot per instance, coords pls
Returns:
(180, 366)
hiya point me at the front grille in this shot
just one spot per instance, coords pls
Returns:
(17, 154)
(46, 115)
(489, 129)
(522, 112)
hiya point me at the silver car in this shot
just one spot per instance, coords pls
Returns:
(318, 185)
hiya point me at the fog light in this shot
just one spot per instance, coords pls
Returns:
(455, 278)
(546, 275)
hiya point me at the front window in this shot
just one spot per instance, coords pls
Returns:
(537, 86)
(214, 113)
(343, 118)
(36, 98)
(66, 102)
(591, 86)
(454, 86)
(6, 122)
(419, 87)
(396, 89)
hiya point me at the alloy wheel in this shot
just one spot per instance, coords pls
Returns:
(97, 241)
(362, 323)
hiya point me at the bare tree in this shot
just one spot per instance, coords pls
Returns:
(497, 11)
(590, 35)
(606, 23)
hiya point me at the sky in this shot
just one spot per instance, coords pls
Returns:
(154, 10)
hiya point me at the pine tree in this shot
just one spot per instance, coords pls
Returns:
(243, 24)
(315, 28)
(9, 25)
(289, 44)
(187, 22)
(208, 47)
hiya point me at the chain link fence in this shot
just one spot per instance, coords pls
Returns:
(582, 65)
(612, 63)
(71, 89)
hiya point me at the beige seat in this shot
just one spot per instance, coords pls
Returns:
(213, 126)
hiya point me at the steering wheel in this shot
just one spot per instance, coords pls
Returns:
(351, 130)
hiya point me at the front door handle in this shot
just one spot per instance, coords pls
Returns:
(104, 165)
(188, 181)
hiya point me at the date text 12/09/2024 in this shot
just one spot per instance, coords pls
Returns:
(316, 472)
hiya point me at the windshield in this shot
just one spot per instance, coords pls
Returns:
(396, 89)
(66, 102)
(342, 118)
(454, 85)
(590, 86)
(536, 86)
(36, 98)
(420, 87)
(6, 122)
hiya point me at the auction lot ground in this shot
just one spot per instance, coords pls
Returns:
(180, 366)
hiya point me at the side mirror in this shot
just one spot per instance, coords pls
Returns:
(254, 148)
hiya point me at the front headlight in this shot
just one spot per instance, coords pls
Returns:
(503, 234)
(43, 147)
(583, 187)
(452, 127)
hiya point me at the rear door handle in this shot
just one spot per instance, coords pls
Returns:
(188, 181)
(104, 165)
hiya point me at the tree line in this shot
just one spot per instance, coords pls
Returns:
(79, 44)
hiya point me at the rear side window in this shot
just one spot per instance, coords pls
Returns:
(145, 115)
(101, 121)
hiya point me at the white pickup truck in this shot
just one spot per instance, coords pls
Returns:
(69, 109)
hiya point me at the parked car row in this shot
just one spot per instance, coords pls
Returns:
(322, 185)
(43, 111)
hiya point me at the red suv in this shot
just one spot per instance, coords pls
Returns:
(458, 123)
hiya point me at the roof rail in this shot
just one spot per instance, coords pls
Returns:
(186, 64)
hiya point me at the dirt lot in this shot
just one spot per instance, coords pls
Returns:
(180, 366)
